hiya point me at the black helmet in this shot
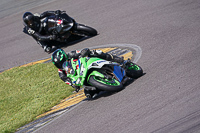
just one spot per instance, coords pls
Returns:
(31, 21)
(59, 57)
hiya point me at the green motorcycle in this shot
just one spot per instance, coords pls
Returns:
(93, 73)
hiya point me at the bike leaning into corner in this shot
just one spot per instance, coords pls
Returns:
(54, 28)
(96, 74)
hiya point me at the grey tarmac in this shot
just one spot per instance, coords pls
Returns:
(165, 100)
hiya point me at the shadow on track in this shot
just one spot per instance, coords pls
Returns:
(109, 93)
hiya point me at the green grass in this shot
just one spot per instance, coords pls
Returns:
(26, 92)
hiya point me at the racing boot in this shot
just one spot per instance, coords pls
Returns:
(90, 92)
(47, 49)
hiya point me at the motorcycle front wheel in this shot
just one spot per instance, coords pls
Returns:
(105, 84)
(83, 30)
(134, 71)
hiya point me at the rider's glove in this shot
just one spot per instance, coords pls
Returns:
(30, 31)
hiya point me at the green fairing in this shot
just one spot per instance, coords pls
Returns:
(95, 73)
(85, 63)
(73, 64)
(107, 81)
(92, 60)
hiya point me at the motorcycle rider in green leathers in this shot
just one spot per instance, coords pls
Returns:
(59, 57)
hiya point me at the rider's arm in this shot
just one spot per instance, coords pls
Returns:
(102, 55)
(63, 77)
(74, 54)
(67, 80)
(40, 37)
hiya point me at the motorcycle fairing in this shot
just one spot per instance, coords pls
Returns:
(59, 24)
(82, 65)
(119, 72)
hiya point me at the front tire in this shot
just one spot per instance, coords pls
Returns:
(84, 30)
(105, 84)
(134, 71)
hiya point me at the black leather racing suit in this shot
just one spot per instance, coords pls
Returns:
(43, 35)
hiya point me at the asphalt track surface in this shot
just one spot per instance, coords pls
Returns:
(165, 100)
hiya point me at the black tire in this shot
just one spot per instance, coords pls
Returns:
(105, 87)
(85, 30)
(134, 73)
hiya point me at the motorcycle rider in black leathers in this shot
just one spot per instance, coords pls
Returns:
(59, 57)
(37, 27)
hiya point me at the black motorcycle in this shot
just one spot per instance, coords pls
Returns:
(65, 28)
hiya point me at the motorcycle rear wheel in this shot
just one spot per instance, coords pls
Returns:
(105, 84)
(84, 30)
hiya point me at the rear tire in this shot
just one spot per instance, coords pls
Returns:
(84, 30)
(105, 84)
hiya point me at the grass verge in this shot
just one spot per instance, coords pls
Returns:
(27, 92)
